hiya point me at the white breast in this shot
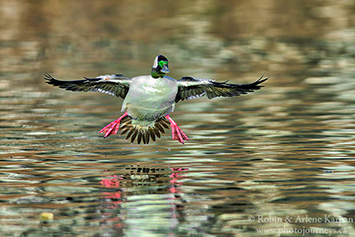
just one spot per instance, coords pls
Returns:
(150, 98)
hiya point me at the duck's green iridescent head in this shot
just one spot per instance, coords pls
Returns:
(160, 67)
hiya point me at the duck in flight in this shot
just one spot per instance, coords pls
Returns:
(149, 99)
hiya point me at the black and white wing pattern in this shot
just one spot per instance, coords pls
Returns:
(113, 84)
(189, 88)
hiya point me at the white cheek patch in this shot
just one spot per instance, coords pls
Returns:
(155, 64)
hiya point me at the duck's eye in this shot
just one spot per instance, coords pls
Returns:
(162, 63)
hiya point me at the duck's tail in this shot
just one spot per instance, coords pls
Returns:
(143, 133)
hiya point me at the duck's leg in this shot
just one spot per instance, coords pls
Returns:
(113, 127)
(177, 133)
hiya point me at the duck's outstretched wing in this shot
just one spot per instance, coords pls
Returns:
(190, 88)
(114, 84)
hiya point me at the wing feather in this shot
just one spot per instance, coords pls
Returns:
(190, 88)
(114, 84)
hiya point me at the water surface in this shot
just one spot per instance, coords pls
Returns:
(280, 159)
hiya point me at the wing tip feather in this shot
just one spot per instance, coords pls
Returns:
(214, 89)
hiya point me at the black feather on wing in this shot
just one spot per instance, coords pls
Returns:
(116, 85)
(189, 88)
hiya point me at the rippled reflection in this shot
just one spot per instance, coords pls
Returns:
(286, 151)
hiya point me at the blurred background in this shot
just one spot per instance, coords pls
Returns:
(286, 150)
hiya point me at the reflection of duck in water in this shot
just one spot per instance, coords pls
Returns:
(142, 175)
(135, 175)
(149, 99)
(149, 194)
